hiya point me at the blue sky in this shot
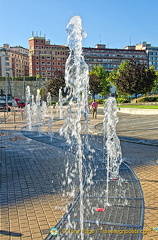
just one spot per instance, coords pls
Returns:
(113, 22)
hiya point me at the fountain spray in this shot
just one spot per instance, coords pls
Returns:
(76, 79)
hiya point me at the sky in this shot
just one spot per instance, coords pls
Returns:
(116, 23)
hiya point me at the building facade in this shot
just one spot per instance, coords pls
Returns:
(14, 61)
(45, 58)
(112, 58)
(152, 53)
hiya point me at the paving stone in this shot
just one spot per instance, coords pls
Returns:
(19, 190)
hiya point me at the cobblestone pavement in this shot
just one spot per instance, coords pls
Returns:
(28, 210)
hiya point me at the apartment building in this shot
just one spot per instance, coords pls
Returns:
(152, 53)
(112, 58)
(14, 61)
(45, 58)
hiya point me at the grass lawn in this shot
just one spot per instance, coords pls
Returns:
(139, 106)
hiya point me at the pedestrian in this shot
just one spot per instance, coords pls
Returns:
(94, 109)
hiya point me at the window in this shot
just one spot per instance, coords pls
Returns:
(53, 69)
(36, 47)
(43, 63)
(42, 57)
(36, 41)
(48, 63)
(48, 58)
(43, 68)
(37, 63)
(37, 68)
(37, 58)
(48, 68)
(59, 69)
(58, 58)
(37, 52)
(6, 58)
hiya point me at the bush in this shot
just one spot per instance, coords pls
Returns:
(27, 78)
(148, 99)
(90, 101)
(123, 100)
(52, 102)
(99, 101)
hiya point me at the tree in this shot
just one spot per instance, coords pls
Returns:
(134, 78)
(55, 83)
(98, 81)
(155, 86)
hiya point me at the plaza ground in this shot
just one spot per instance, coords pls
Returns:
(29, 215)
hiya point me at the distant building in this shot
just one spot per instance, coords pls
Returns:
(13, 61)
(111, 58)
(152, 53)
(45, 58)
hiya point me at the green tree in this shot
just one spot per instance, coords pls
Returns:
(155, 86)
(98, 81)
(134, 78)
(55, 83)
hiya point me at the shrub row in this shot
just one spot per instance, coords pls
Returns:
(123, 100)
(27, 78)
(99, 101)
(148, 99)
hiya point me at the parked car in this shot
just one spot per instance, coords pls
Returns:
(6, 103)
(19, 103)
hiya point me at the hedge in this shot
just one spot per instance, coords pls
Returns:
(27, 78)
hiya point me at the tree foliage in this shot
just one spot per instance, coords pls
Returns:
(155, 86)
(98, 81)
(55, 83)
(133, 78)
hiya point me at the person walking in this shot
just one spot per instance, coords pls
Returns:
(94, 109)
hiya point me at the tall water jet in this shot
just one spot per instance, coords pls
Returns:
(38, 112)
(28, 108)
(76, 79)
(60, 101)
(113, 148)
(50, 125)
(48, 99)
